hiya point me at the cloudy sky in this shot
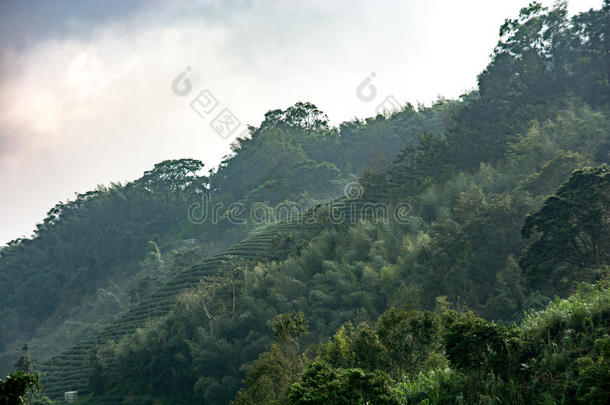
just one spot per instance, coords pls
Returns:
(86, 92)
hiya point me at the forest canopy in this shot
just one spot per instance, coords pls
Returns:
(488, 283)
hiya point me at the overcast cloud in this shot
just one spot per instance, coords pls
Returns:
(85, 87)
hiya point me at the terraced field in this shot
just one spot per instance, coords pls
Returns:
(69, 371)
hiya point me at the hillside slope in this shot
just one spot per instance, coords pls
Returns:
(71, 370)
(451, 211)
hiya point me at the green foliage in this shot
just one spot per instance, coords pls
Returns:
(170, 310)
(558, 355)
(15, 387)
(289, 327)
(24, 363)
(322, 384)
(170, 179)
(594, 374)
(542, 59)
(474, 344)
(270, 377)
(435, 386)
(411, 338)
(555, 356)
(573, 228)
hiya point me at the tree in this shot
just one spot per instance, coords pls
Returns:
(324, 385)
(473, 344)
(426, 157)
(302, 115)
(268, 380)
(24, 363)
(531, 73)
(96, 376)
(409, 338)
(171, 177)
(590, 36)
(573, 227)
(16, 386)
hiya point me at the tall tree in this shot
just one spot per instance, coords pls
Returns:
(171, 177)
(573, 227)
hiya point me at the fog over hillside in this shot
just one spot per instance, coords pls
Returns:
(257, 202)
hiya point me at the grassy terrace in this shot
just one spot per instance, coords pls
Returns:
(69, 371)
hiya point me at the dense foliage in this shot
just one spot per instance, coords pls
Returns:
(443, 356)
(91, 259)
(479, 210)
(17, 386)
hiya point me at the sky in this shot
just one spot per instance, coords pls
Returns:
(98, 91)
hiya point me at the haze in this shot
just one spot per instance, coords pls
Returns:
(85, 88)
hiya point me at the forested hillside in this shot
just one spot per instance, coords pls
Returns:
(103, 252)
(399, 259)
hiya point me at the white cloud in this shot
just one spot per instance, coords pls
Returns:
(89, 109)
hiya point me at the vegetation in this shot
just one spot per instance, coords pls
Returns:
(471, 266)
(17, 386)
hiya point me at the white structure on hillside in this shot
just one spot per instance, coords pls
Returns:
(71, 396)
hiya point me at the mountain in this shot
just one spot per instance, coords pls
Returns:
(348, 263)
(98, 255)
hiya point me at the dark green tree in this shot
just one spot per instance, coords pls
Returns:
(24, 363)
(409, 338)
(268, 380)
(170, 178)
(16, 386)
(324, 385)
(572, 228)
(473, 344)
